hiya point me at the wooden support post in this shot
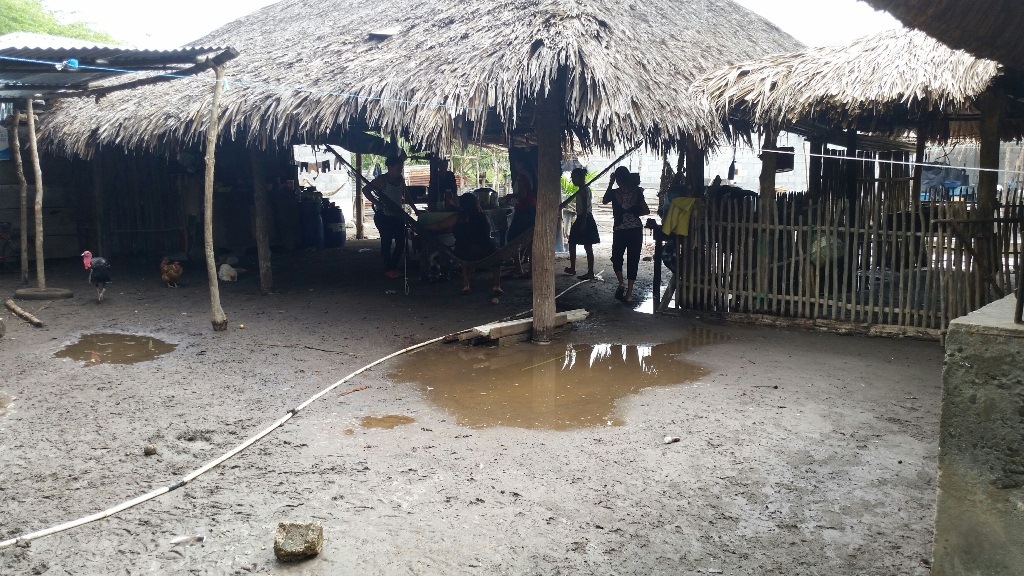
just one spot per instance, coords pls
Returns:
(694, 166)
(357, 202)
(922, 142)
(22, 195)
(852, 167)
(766, 206)
(33, 146)
(97, 200)
(262, 212)
(217, 316)
(814, 168)
(991, 104)
(548, 130)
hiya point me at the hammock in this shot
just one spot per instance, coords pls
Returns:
(492, 259)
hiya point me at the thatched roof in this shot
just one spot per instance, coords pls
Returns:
(449, 71)
(884, 82)
(985, 28)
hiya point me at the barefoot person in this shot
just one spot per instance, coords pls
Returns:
(584, 228)
(628, 206)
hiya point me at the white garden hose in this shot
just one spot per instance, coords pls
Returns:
(25, 538)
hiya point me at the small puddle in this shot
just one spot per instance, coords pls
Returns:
(115, 348)
(536, 387)
(386, 422)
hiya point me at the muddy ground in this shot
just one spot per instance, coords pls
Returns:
(800, 453)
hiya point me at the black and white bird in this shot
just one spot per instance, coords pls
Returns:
(99, 272)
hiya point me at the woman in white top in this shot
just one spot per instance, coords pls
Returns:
(387, 216)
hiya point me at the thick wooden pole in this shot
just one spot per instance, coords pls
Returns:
(988, 155)
(22, 194)
(357, 202)
(548, 129)
(217, 316)
(695, 158)
(33, 147)
(766, 207)
(922, 142)
(262, 210)
(97, 200)
(814, 168)
(988, 178)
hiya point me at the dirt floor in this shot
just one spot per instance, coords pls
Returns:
(799, 452)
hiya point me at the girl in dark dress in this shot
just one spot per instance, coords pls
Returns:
(584, 228)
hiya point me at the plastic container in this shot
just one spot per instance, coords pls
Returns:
(334, 225)
(311, 224)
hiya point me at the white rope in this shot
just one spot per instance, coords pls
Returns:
(900, 162)
(218, 461)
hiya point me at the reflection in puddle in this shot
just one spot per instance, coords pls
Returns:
(115, 349)
(528, 386)
(387, 422)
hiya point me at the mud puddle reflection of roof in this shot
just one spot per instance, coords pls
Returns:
(529, 386)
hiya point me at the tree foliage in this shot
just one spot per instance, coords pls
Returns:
(31, 16)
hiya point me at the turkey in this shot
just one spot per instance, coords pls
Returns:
(99, 272)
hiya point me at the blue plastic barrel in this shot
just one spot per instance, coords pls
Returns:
(334, 225)
(311, 224)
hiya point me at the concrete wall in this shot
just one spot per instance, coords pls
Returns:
(979, 521)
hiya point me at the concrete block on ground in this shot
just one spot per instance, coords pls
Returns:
(298, 540)
(979, 519)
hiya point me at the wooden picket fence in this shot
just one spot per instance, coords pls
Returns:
(887, 260)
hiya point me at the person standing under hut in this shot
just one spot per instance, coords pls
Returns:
(525, 196)
(387, 216)
(584, 229)
(473, 241)
(628, 206)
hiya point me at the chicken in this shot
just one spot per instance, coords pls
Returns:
(170, 272)
(99, 272)
(228, 273)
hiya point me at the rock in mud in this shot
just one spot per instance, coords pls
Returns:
(149, 450)
(298, 540)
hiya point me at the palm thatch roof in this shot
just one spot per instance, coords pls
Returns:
(883, 83)
(440, 72)
(985, 28)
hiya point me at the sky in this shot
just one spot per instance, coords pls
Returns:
(165, 25)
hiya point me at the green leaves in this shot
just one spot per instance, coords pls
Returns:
(31, 16)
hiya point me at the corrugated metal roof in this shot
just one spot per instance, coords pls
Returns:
(37, 65)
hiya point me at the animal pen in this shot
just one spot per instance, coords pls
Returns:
(881, 258)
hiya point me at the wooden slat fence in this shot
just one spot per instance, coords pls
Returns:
(876, 256)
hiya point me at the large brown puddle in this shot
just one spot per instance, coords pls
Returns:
(529, 386)
(115, 349)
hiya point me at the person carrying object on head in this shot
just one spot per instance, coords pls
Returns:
(387, 216)
(628, 206)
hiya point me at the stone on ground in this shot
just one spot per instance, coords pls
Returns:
(298, 540)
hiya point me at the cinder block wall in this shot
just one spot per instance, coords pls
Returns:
(979, 520)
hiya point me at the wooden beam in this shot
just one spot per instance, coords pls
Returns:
(211, 63)
(262, 211)
(33, 146)
(217, 316)
(19, 169)
(548, 123)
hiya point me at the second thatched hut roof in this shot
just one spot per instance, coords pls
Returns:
(440, 72)
(881, 83)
